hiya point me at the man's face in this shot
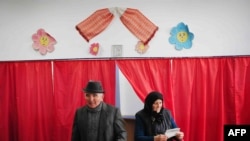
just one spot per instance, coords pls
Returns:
(94, 99)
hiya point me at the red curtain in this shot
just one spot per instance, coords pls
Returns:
(242, 90)
(146, 75)
(210, 93)
(70, 78)
(36, 105)
(26, 101)
(38, 99)
(204, 93)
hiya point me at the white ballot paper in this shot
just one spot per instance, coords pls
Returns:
(172, 132)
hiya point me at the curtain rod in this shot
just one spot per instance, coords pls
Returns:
(125, 58)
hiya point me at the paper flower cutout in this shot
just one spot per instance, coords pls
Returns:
(141, 48)
(43, 42)
(181, 37)
(94, 49)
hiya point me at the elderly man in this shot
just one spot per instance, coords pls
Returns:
(97, 121)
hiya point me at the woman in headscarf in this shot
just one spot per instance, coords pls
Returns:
(154, 120)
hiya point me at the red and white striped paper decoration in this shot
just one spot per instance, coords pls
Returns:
(133, 19)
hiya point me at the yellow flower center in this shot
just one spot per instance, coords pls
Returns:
(95, 49)
(44, 41)
(141, 47)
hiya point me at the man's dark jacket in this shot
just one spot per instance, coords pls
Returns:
(111, 127)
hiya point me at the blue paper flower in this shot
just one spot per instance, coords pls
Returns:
(181, 37)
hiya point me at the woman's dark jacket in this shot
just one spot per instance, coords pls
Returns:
(144, 125)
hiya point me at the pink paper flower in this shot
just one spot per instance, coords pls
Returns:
(141, 48)
(94, 48)
(43, 42)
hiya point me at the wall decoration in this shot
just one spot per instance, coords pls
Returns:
(94, 49)
(181, 37)
(43, 42)
(117, 50)
(133, 19)
(141, 48)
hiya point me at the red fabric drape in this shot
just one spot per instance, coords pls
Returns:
(211, 92)
(204, 90)
(70, 78)
(242, 90)
(205, 94)
(38, 99)
(146, 75)
(26, 101)
(32, 109)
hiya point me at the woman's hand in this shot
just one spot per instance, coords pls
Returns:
(160, 137)
(179, 135)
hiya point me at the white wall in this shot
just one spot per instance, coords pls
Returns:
(129, 102)
(220, 27)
